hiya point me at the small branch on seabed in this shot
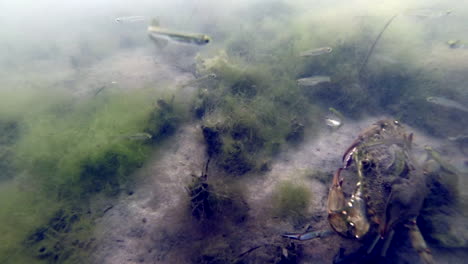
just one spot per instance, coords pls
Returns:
(369, 53)
(245, 253)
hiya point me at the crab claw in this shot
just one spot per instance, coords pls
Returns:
(336, 203)
(346, 218)
(336, 199)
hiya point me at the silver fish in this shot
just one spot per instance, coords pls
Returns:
(461, 141)
(315, 52)
(446, 103)
(333, 122)
(130, 19)
(456, 44)
(162, 35)
(334, 119)
(313, 80)
(427, 13)
(459, 138)
(200, 80)
(138, 136)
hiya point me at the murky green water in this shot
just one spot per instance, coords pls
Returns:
(208, 139)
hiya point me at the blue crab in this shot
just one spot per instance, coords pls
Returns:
(389, 191)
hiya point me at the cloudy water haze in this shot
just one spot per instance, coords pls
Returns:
(262, 131)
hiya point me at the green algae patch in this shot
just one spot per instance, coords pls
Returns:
(21, 210)
(62, 154)
(60, 144)
(290, 201)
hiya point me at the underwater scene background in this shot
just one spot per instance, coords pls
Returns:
(203, 131)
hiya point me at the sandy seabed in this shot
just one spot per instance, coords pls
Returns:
(153, 225)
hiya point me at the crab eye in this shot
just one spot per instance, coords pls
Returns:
(396, 122)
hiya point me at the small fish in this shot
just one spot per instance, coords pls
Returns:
(445, 165)
(334, 123)
(446, 103)
(309, 235)
(138, 136)
(206, 77)
(427, 13)
(385, 59)
(313, 80)
(334, 118)
(315, 52)
(462, 142)
(202, 79)
(130, 19)
(156, 33)
(337, 113)
(456, 44)
(459, 138)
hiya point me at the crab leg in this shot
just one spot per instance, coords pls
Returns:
(372, 246)
(309, 235)
(387, 242)
(418, 242)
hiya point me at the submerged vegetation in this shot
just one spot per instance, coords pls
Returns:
(291, 201)
(67, 152)
(262, 88)
(247, 115)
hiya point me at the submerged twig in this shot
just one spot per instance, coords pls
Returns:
(369, 53)
(248, 251)
(99, 90)
(200, 195)
(245, 253)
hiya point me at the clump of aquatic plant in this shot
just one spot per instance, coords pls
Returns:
(202, 198)
(52, 240)
(164, 119)
(211, 199)
(248, 114)
(290, 201)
